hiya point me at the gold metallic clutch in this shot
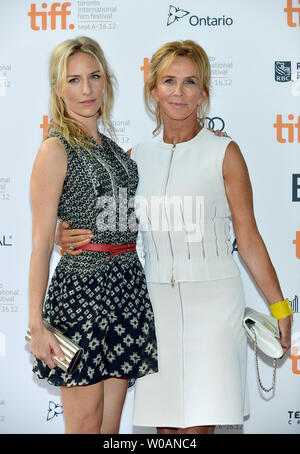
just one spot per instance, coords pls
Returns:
(71, 350)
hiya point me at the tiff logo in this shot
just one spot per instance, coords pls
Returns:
(145, 68)
(290, 127)
(295, 350)
(296, 242)
(56, 9)
(44, 126)
(291, 12)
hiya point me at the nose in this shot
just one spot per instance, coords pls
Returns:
(178, 89)
(86, 87)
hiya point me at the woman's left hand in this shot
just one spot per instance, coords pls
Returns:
(285, 325)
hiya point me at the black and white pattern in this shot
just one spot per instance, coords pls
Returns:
(101, 303)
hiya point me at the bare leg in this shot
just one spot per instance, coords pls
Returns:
(83, 408)
(197, 430)
(167, 430)
(115, 390)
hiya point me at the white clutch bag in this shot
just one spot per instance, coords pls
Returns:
(263, 331)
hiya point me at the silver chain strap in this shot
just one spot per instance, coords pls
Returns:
(257, 368)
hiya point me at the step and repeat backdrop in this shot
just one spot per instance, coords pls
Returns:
(254, 53)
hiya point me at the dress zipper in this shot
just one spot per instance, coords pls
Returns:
(171, 247)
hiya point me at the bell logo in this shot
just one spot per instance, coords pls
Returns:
(296, 187)
(297, 244)
(280, 126)
(56, 9)
(290, 11)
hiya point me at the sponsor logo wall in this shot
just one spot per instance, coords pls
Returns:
(255, 99)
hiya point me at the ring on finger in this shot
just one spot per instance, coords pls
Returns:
(71, 248)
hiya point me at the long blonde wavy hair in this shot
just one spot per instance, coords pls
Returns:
(160, 62)
(70, 128)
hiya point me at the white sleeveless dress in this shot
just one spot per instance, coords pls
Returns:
(194, 286)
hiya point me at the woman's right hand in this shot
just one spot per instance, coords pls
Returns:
(74, 238)
(285, 326)
(44, 346)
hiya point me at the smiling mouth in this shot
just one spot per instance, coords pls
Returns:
(178, 104)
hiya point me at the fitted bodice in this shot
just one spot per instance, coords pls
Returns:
(98, 195)
(182, 208)
(98, 191)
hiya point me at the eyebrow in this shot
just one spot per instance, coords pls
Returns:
(187, 77)
(77, 75)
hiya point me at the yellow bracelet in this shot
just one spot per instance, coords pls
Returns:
(281, 309)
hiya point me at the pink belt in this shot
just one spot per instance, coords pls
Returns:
(114, 249)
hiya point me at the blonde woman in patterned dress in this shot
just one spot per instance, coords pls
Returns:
(98, 299)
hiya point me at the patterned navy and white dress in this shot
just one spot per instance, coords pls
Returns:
(101, 302)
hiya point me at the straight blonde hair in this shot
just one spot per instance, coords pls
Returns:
(71, 129)
(160, 62)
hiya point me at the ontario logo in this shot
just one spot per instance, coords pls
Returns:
(54, 410)
(176, 13)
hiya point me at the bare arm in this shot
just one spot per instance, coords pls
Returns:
(250, 244)
(46, 184)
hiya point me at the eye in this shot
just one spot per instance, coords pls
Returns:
(72, 80)
(169, 81)
(96, 76)
(190, 82)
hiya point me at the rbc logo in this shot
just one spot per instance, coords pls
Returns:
(283, 71)
(56, 9)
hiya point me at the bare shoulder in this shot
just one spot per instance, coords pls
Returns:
(234, 162)
(52, 151)
(52, 145)
(50, 160)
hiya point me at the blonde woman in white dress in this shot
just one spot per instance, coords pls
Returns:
(194, 284)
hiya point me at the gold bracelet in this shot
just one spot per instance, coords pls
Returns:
(281, 309)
